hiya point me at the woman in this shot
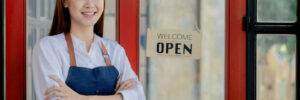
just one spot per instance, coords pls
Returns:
(75, 63)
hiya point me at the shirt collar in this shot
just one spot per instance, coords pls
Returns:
(80, 44)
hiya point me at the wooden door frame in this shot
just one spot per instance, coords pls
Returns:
(15, 49)
(128, 30)
(235, 51)
(127, 36)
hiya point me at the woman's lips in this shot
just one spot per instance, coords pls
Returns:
(89, 14)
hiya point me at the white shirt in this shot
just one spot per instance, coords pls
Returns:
(51, 57)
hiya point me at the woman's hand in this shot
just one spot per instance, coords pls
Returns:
(62, 91)
(126, 85)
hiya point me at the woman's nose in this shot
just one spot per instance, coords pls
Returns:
(89, 4)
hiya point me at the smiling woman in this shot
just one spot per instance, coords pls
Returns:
(75, 39)
(72, 12)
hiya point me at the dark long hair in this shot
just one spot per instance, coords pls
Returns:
(62, 22)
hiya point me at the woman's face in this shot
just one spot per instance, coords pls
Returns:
(84, 12)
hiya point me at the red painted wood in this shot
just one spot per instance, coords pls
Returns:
(15, 49)
(235, 50)
(128, 30)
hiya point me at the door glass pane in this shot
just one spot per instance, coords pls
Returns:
(276, 10)
(110, 20)
(168, 78)
(39, 20)
(276, 67)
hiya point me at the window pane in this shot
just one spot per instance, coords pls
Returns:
(110, 20)
(276, 67)
(184, 79)
(42, 8)
(276, 10)
(39, 19)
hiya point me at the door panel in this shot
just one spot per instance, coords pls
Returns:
(175, 78)
(276, 11)
(276, 67)
(272, 37)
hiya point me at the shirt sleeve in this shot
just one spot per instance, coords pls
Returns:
(45, 61)
(137, 93)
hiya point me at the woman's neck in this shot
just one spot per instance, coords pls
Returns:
(84, 33)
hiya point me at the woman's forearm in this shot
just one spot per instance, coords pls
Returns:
(111, 97)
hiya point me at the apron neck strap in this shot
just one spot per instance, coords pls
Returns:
(70, 49)
(105, 55)
(72, 54)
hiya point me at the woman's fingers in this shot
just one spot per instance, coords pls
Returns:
(63, 91)
(59, 94)
(54, 88)
(130, 86)
(126, 84)
(60, 82)
(118, 82)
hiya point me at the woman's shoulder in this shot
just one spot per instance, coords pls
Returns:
(111, 44)
(50, 41)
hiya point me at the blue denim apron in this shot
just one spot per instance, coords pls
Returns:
(85, 81)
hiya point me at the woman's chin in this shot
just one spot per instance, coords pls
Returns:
(88, 24)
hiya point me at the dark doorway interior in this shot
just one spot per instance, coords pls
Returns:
(2, 48)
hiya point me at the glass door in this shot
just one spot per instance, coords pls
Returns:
(175, 78)
(39, 15)
(272, 49)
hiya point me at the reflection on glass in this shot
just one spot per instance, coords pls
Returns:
(39, 19)
(276, 10)
(168, 78)
(42, 10)
(110, 20)
(276, 67)
(31, 5)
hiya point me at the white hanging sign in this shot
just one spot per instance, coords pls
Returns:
(173, 43)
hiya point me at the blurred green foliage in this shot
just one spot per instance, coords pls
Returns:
(285, 44)
(277, 11)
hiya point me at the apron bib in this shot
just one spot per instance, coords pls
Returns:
(86, 81)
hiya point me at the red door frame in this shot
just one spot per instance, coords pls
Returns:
(235, 84)
(127, 35)
(128, 30)
(15, 49)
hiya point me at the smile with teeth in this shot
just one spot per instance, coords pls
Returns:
(89, 14)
